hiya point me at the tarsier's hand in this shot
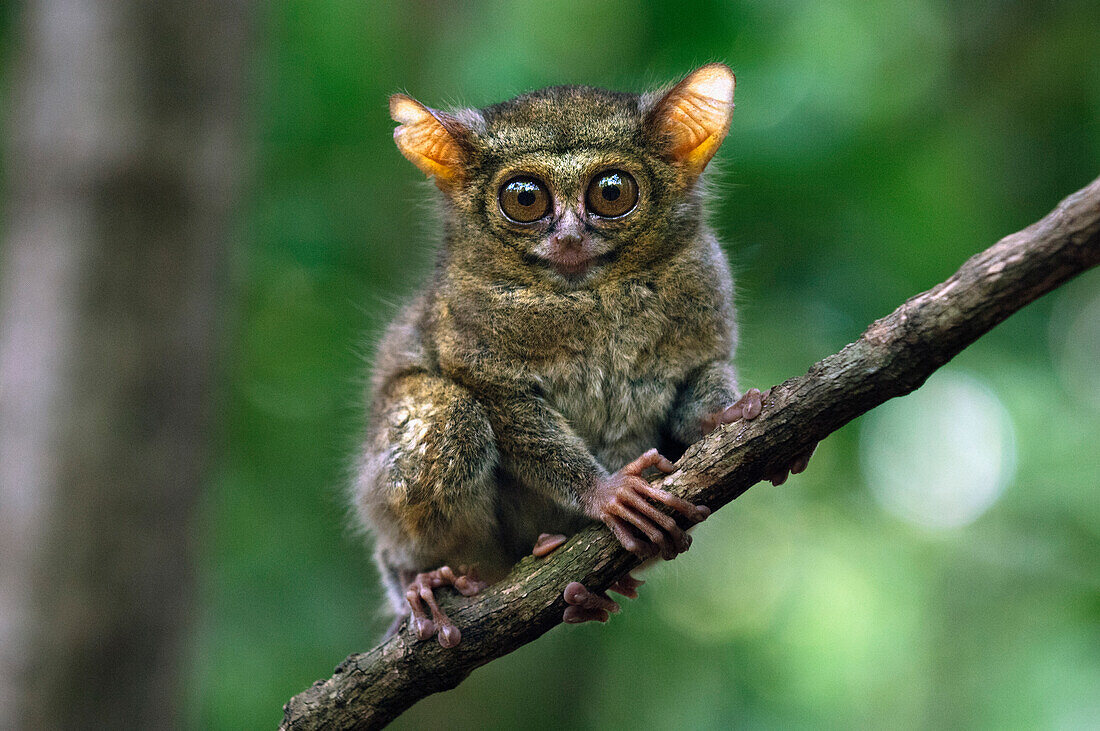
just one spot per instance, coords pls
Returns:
(622, 502)
(748, 407)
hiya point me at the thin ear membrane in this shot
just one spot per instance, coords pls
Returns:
(428, 139)
(694, 116)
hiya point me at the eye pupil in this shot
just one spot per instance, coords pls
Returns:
(524, 199)
(612, 194)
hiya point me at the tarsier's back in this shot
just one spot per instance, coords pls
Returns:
(580, 317)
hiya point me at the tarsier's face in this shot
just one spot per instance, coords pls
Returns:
(570, 180)
(566, 179)
(573, 228)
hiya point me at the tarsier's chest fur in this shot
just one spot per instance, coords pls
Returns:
(579, 315)
(612, 359)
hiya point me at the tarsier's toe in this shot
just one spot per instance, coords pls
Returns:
(797, 466)
(752, 403)
(467, 586)
(547, 543)
(596, 606)
(577, 615)
(421, 598)
(449, 635)
(627, 586)
(585, 605)
(421, 627)
(577, 595)
(746, 408)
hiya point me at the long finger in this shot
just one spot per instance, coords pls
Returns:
(655, 535)
(447, 633)
(651, 458)
(625, 536)
(665, 522)
(424, 588)
(698, 513)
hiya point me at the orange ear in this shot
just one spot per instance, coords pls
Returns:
(429, 139)
(693, 117)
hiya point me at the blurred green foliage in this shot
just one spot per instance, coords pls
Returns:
(875, 146)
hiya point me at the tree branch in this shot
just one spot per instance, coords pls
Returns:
(893, 357)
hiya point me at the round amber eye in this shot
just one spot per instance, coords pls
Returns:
(524, 199)
(612, 194)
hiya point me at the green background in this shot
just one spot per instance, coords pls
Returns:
(875, 146)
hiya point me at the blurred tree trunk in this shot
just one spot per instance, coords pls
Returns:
(122, 157)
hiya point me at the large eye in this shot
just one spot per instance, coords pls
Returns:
(612, 193)
(524, 199)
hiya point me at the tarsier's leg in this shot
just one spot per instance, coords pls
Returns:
(429, 481)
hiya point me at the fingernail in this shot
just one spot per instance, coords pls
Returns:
(449, 635)
(575, 593)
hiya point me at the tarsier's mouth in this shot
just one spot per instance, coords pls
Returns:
(571, 265)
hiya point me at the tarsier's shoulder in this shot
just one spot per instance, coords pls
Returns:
(405, 346)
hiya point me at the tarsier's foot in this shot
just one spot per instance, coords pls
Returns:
(622, 502)
(585, 605)
(420, 593)
(596, 606)
(748, 407)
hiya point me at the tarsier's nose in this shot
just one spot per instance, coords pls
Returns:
(567, 241)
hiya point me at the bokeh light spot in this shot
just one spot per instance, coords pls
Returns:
(941, 456)
(1077, 353)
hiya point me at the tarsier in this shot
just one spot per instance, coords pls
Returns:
(578, 327)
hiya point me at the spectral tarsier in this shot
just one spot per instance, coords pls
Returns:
(578, 326)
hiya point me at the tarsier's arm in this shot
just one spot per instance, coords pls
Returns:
(707, 392)
(538, 446)
(541, 449)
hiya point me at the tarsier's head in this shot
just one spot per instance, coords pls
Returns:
(562, 183)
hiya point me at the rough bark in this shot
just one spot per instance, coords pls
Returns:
(893, 357)
(121, 157)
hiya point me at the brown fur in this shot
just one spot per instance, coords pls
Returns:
(505, 390)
